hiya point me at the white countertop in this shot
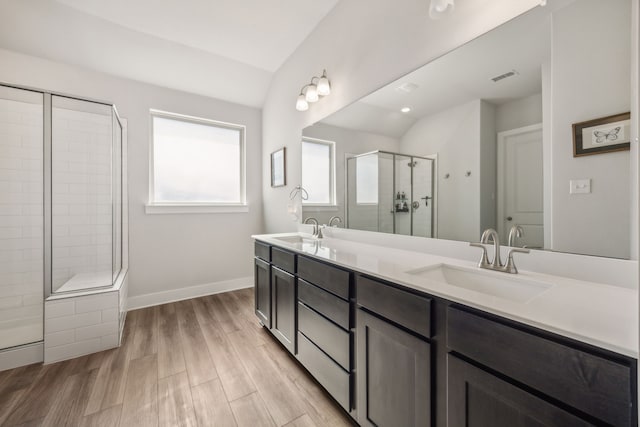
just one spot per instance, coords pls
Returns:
(602, 315)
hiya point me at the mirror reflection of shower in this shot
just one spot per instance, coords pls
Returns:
(391, 193)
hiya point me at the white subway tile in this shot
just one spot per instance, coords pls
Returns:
(110, 314)
(97, 302)
(95, 331)
(72, 322)
(109, 341)
(59, 338)
(58, 309)
(69, 351)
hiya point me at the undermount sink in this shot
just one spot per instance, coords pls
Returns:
(296, 239)
(501, 285)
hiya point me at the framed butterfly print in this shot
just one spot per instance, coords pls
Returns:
(604, 135)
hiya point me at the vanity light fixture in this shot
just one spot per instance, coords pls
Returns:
(440, 8)
(405, 109)
(319, 86)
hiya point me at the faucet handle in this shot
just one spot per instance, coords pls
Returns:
(484, 260)
(510, 266)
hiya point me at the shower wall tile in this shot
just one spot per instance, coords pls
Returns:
(21, 218)
(79, 325)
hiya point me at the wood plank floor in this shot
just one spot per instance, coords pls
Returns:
(200, 362)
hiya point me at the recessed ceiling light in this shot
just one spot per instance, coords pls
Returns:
(407, 87)
(405, 109)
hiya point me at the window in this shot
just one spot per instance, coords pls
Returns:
(367, 180)
(318, 171)
(195, 162)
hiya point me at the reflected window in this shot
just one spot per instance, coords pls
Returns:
(196, 161)
(318, 170)
(367, 180)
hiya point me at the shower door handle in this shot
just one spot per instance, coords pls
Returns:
(415, 205)
(426, 200)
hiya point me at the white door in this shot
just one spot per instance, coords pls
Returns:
(520, 183)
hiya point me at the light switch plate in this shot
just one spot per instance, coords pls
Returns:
(579, 186)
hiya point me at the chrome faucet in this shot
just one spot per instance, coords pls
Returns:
(516, 231)
(317, 231)
(491, 236)
(335, 218)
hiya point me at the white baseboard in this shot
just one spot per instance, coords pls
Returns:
(157, 298)
(21, 356)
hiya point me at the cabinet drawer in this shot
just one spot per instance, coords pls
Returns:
(283, 259)
(332, 377)
(330, 338)
(404, 308)
(330, 278)
(324, 303)
(262, 250)
(595, 385)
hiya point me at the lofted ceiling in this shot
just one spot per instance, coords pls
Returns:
(226, 49)
(461, 76)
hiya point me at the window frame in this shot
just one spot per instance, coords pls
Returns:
(154, 207)
(332, 171)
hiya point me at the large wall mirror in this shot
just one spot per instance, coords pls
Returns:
(483, 137)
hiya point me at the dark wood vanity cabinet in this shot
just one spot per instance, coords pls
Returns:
(283, 297)
(394, 356)
(262, 283)
(532, 375)
(283, 294)
(394, 375)
(325, 327)
(478, 398)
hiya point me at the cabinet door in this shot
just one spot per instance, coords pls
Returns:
(479, 399)
(283, 300)
(393, 376)
(262, 291)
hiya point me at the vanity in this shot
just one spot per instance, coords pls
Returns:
(396, 345)
(501, 133)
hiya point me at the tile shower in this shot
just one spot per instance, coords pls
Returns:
(63, 240)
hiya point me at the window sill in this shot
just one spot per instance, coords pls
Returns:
(321, 208)
(193, 209)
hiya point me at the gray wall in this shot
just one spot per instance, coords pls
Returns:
(167, 252)
(577, 219)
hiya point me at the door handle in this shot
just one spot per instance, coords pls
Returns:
(509, 218)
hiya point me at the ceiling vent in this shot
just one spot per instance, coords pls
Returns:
(511, 73)
(407, 87)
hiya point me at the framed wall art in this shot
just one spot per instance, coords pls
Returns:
(279, 168)
(603, 135)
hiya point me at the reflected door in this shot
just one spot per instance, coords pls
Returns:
(520, 184)
(21, 216)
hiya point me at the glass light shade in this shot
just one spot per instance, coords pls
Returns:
(440, 8)
(311, 94)
(301, 103)
(324, 87)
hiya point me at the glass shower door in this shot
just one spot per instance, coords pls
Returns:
(21, 216)
(82, 194)
(422, 197)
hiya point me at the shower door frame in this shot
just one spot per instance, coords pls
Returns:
(434, 164)
(48, 179)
